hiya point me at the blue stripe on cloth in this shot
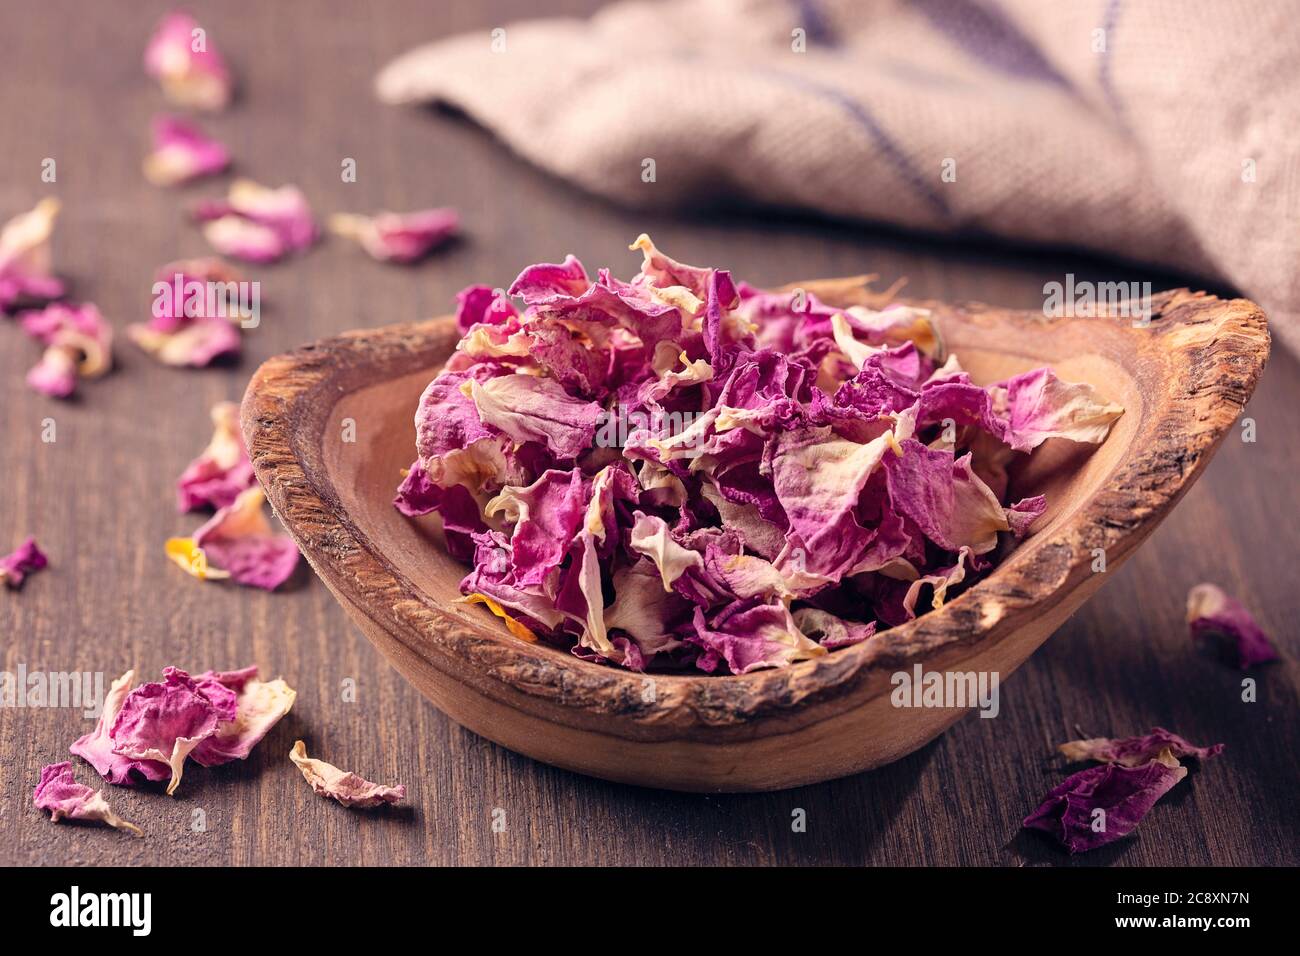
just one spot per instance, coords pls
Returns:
(1105, 75)
(809, 16)
(893, 153)
(986, 34)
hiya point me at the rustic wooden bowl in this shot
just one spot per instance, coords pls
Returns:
(1182, 381)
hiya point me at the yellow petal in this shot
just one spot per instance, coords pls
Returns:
(192, 560)
(514, 627)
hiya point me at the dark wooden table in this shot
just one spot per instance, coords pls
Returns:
(100, 500)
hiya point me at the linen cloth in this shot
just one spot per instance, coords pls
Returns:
(1164, 131)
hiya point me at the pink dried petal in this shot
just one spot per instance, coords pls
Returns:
(244, 239)
(1132, 751)
(1210, 611)
(259, 707)
(1022, 515)
(831, 631)
(96, 747)
(79, 330)
(1124, 795)
(165, 721)
(195, 344)
(55, 374)
(199, 269)
(60, 793)
(25, 263)
(398, 237)
(1035, 406)
(222, 471)
(237, 542)
(183, 59)
(344, 786)
(256, 223)
(182, 153)
(15, 567)
(481, 304)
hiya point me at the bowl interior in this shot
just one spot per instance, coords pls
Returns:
(379, 416)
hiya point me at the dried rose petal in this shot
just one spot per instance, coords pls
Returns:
(55, 375)
(344, 786)
(222, 471)
(78, 344)
(1104, 803)
(182, 153)
(398, 237)
(195, 344)
(238, 543)
(199, 269)
(259, 707)
(165, 721)
(1210, 610)
(1022, 515)
(15, 567)
(256, 223)
(26, 272)
(96, 747)
(60, 793)
(1132, 751)
(182, 58)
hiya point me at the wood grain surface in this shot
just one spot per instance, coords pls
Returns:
(100, 500)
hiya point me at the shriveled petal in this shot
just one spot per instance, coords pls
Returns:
(79, 330)
(531, 408)
(1212, 611)
(17, 565)
(165, 721)
(652, 537)
(749, 636)
(26, 270)
(344, 786)
(182, 153)
(830, 630)
(59, 792)
(96, 747)
(258, 223)
(1104, 803)
(55, 375)
(222, 471)
(398, 237)
(1036, 406)
(182, 57)
(1134, 751)
(259, 707)
(945, 498)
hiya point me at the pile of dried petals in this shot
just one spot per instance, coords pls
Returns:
(195, 316)
(15, 567)
(148, 733)
(1101, 804)
(689, 472)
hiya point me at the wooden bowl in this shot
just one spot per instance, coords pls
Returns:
(1182, 381)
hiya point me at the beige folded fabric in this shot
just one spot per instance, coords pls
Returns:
(1166, 131)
